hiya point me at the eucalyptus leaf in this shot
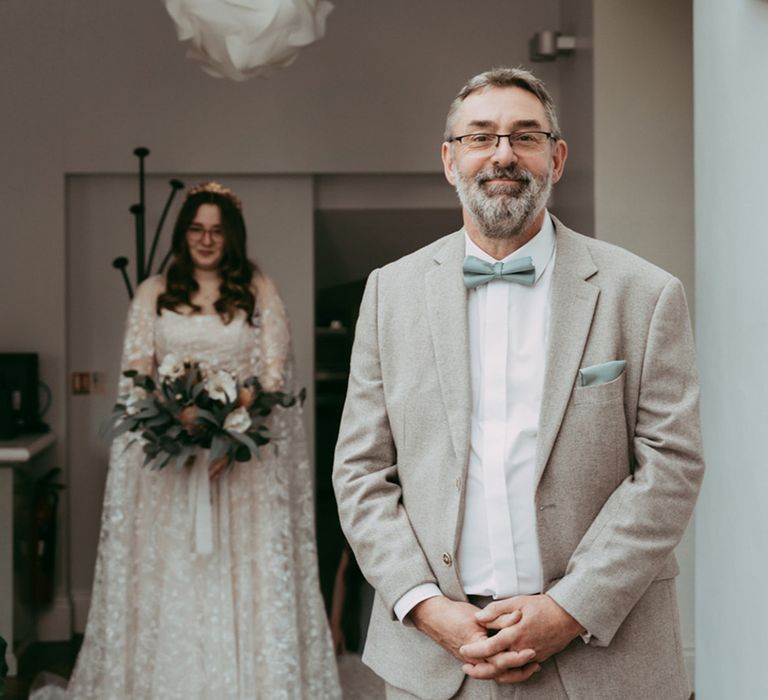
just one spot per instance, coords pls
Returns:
(157, 421)
(162, 461)
(123, 427)
(181, 460)
(208, 417)
(197, 389)
(219, 447)
(243, 439)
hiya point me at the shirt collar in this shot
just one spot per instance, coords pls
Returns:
(539, 248)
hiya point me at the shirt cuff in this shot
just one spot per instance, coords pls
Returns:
(413, 597)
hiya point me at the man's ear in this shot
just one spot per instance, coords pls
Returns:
(447, 155)
(559, 156)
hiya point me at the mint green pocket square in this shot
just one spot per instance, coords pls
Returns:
(601, 374)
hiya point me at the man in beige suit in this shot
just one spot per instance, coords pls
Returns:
(519, 451)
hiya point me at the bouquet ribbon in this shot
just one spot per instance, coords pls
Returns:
(200, 504)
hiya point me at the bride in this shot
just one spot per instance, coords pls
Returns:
(241, 618)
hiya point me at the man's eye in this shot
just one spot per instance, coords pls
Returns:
(481, 138)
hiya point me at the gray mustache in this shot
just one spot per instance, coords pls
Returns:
(511, 173)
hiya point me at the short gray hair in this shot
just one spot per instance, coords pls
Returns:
(504, 77)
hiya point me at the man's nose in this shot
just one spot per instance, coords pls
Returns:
(504, 154)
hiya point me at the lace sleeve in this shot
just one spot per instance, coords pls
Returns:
(139, 342)
(275, 338)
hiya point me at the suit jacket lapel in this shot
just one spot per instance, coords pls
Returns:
(447, 310)
(572, 305)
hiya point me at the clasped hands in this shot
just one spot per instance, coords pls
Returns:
(529, 629)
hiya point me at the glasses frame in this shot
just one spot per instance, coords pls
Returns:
(216, 233)
(551, 136)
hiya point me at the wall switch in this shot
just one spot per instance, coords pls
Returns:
(81, 382)
(99, 382)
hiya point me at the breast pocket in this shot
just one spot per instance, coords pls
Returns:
(595, 428)
(600, 393)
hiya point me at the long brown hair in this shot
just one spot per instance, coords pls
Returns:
(235, 269)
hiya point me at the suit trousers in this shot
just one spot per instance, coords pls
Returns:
(544, 685)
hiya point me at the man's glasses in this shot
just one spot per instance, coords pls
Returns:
(521, 142)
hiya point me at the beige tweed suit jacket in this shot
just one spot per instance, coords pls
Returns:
(618, 464)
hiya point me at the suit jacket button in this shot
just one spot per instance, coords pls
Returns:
(447, 559)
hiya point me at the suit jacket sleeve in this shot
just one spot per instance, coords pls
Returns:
(365, 471)
(637, 528)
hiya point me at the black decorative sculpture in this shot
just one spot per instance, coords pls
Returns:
(144, 264)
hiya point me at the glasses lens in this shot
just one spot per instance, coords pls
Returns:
(480, 142)
(529, 141)
(197, 231)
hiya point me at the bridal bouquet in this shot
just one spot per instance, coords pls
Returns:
(190, 408)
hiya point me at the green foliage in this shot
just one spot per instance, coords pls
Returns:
(177, 415)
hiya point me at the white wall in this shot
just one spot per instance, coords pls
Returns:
(730, 67)
(85, 82)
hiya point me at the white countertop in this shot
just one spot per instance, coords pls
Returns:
(24, 447)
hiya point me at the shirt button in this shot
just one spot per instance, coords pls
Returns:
(458, 484)
(447, 559)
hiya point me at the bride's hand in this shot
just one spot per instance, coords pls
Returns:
(215, 469)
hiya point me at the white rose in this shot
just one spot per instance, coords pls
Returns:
(221, 387)
(171, 367)
(238, 421)
(135, 395)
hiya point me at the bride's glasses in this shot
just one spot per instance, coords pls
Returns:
(195, 232)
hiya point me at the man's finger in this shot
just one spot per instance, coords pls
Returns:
(485, 648)
(493, 610)
(505, 620)
(512, 659)
(518, 675)
(482, 671)
(486, 671)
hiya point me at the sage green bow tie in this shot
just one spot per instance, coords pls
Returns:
(477, 271)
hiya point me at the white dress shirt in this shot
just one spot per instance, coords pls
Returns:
(498, 552)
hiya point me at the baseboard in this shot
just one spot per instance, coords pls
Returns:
(689, 656)
(81, 602)
(54, 623)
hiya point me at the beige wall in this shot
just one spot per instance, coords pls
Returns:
(576, 191)
(644, 130)
(643, 162)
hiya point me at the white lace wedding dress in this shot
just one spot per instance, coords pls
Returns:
(245, 621)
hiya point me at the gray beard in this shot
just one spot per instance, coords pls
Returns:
(503, 211)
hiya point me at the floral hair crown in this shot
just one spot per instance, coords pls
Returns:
(216, 188)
